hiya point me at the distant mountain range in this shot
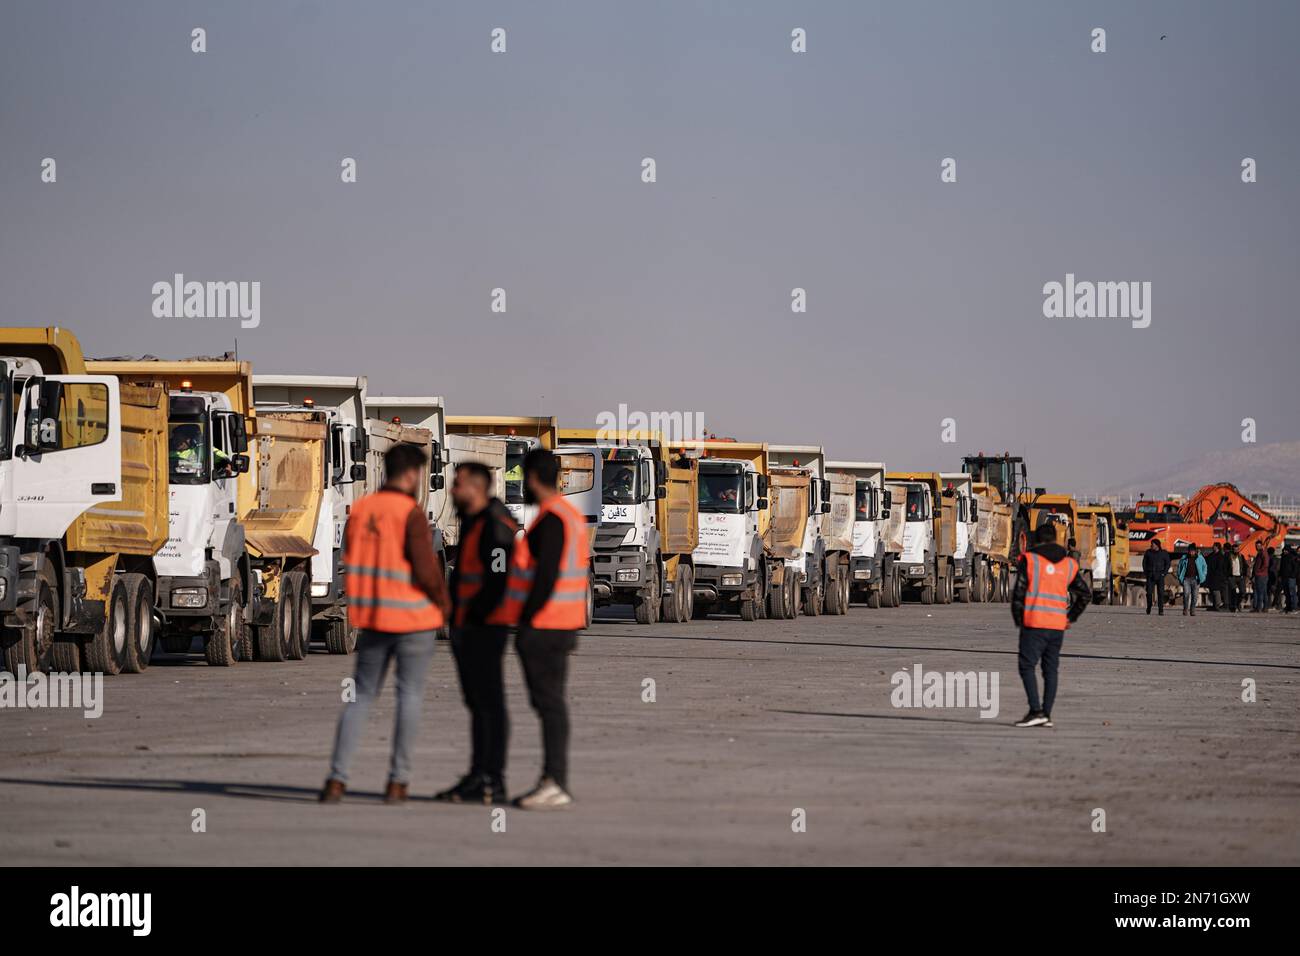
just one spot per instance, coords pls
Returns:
(1273, 468)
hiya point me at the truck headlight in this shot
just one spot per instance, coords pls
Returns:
(732, 580)
(629, 538)
(4, 588)
(320, 589)
(627, 574)
(916, 572)
(190, 597)
(862, 573)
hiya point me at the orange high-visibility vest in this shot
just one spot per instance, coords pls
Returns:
(382, 595)
(470, 571)
(566, 608)
(1047, 593)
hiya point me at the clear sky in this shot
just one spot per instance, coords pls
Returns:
(775, 170)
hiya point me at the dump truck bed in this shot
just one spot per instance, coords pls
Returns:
(837, 524)
(233, 379)
(541, 427)
(788, 490)
(280, 498)
(678, 512)
(137, 524)
(993, 530)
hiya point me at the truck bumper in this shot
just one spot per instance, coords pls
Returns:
(619, 575)
(184, 596)
(865, 572)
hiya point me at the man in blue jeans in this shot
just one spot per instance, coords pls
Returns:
(398, 598)
(1192, 571)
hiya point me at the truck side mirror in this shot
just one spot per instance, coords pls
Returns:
(826, 507)
(761, 504)
(44, 430)
(240, 464)
(435, 458)
(762, 487)
(238, 435)
(357, 472)
(359, 447)
(661, 476)
(436, 481)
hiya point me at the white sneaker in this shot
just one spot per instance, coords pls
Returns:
(547, 795)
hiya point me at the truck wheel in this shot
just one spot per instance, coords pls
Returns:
(295, 583)
(846, 589)
(32, 645)
(670, 606)
(646, 604)
(304, 608)
(946, 589)
(339, 636)
(688, 595)
(776, 599)
(139, 600)
(105, 652)
(591, 604)
(791, 598)
(874, 595)
(927, 593)
(815, 597)
(222, 647)
(275, 640)
(748, 608)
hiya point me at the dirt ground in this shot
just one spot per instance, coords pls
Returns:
(751, 724)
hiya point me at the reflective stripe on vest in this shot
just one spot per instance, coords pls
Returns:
(566, 608)
(1047, 591)
(382, 595)
(469, 573)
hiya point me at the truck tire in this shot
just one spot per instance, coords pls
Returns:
(105, 651)
(845, 587)
(646, 604)
(927, 593)
(748, 608)
(222, 647)
(275, 640)
(792, 597)
(142, 635)
(962, 594)
(814, 597)
(874, 595)
(775, 604)
(688, 596)
(338, 635)
(591, 604)
(299, 595)
(945, 592)
(31, 646)
(671, 608)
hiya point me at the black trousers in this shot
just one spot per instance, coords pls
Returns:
(478, 651)
(1156, 588)
(544, 655)
(1040, 644)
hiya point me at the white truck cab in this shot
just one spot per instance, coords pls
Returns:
(915, 558)
(959, 485)
(871, 565)
(730, 566)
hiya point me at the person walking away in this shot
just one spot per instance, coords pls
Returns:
(550, 578)
(1049, 596)
(1155, 565)
(398, 599)
(479, 629)
(1274, 579)
(1216, 566)
(1236, 579)
(1290, 572)
(1259, 572)
(1191, 572)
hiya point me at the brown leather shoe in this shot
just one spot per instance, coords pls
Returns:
(332, 792)
(396, 792)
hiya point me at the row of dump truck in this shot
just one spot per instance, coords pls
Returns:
(151, 506)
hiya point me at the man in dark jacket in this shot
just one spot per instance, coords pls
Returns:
(1290, 570)
(1155, 565)
(1260, 572)
(1043, 617)
(1237, 570)
(479, 634)
(1217, 564)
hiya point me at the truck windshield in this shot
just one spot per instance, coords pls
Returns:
(515, 452)
(722, 494)
(619, 482)
(916, 505)
(187, 444)
(863, 512)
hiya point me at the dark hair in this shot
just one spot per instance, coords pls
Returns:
(478, 470)
(1192, 547)
(1045, 533)
(544, 466)
(400, 459)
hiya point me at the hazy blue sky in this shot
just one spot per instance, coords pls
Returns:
(775, 170)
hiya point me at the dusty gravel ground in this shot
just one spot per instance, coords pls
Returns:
(751, 722)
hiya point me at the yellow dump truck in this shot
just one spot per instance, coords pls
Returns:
(991, 577)
(1109, 555)
(83, 508)
(648, 525)
(214, 584)
(521, 434)
(738, 564)
(926, 562)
